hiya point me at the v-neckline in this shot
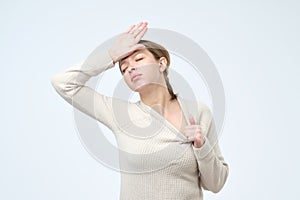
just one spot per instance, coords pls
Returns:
(169, 124)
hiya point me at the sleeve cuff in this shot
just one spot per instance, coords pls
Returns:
(97, 62)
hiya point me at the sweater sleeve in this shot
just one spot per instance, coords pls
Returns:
(213, 170)
(70, 85)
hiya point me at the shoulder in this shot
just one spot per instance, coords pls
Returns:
(203, 106)
(199, 109)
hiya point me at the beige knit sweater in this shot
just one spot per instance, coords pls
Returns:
(156, 160)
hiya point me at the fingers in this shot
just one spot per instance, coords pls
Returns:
(191, 138)
(194, 133)
(191, 132)
(138, 30)
(199, 140)
(127, 42)
(192, 121)
(136, 27)
(192, 127)
(130, 28)
(133, 27)
(141, 33)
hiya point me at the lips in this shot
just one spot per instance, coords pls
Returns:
(134, 76)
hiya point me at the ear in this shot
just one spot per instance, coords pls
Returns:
(162, 64)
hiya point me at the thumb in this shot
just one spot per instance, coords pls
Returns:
(192, 121)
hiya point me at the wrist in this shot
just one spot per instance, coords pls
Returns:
(110, 52)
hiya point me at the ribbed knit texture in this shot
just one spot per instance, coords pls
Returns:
(156, 160)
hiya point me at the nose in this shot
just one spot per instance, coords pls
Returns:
(131, 68)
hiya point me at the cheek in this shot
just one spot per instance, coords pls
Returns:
(150, 72)
(153, 77)
(148, 77)
(127, 79)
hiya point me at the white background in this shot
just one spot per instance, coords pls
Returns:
(254, 45)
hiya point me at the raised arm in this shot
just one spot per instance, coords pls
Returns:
(70, 83)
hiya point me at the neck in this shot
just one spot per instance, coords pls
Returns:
(157, 97)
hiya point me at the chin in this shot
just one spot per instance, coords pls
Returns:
(139, 87)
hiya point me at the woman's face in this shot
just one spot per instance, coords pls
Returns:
(141, 69)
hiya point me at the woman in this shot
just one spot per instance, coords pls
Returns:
(168, 145)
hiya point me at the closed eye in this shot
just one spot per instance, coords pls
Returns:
(124, 70)
(139, 59)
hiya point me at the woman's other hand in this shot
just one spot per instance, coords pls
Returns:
(194, 133)
(127, 42)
